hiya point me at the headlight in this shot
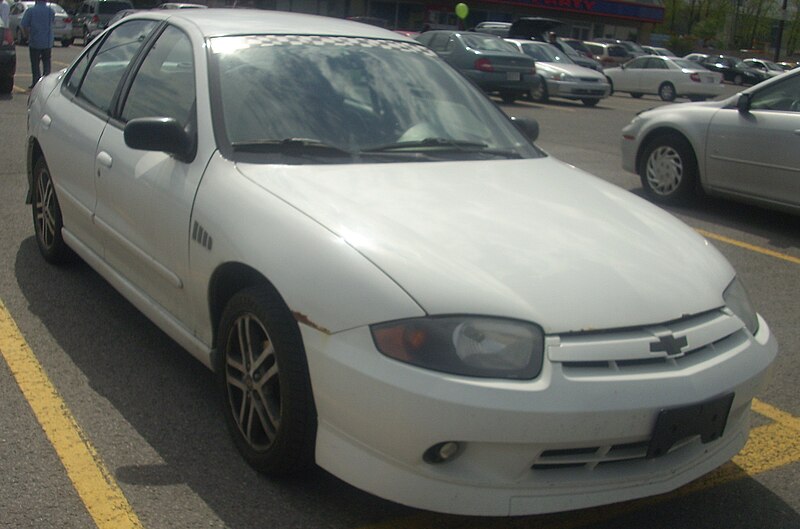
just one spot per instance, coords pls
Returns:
(738, 301)
(465, 345)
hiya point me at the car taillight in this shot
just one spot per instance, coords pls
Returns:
(95, 19)
(695, 77)
(484, 65)
(68, 20)
(8, 37)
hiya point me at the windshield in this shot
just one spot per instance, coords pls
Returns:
(546, 53)
(344, 99)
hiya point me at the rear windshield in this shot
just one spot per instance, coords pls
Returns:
(109, 8)
(485, 43)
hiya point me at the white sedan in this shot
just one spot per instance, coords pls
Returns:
(746, 147)
(387, 276)
(560, 76)
(667, 77)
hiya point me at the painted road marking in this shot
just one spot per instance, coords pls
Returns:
(95, 485)
(769, 447)
(747, 246)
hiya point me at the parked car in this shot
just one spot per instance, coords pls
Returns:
(585, 60)
(94, 15)
(769, 67)
(633, 48)
(744, 147)
(560, 77)
(490, 27)
(656, 50)
(609, 55)
(734, 70)
(119, 15)
(386, 274)
(62, 26)
(8, 59)
(667, 77)
(495, 65)
(696, 57)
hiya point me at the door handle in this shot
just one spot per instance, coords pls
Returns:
(105, 159)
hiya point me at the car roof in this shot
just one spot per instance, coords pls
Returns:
(219, 22)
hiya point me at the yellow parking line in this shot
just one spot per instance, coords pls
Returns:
(769, 447)
(746, 246)
(95, 485)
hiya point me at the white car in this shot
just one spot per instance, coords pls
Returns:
(387, 276)
(768, 67)
(560, 76)
(666, 77)
(745, 147)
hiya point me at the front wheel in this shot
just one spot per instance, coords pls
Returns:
(666, 92)
(540, 94)
(263, 374)
(47, 221)
(668, 169)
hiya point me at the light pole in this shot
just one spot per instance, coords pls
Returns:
(781, 23)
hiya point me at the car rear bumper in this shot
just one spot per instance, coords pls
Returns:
(504, 81)
(569, 439)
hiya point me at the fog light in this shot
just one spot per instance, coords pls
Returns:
(442, 452)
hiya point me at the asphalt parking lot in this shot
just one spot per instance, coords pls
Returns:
(106, 421)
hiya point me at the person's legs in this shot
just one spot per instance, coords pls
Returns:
(46, 61)
(35, 72)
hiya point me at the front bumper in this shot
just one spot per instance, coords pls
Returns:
(575, 437)
(577, 90)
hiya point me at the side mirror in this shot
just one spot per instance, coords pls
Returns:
(161, 135)
(529, 127)
(743, 103)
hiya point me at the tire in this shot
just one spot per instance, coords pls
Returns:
(66, 43)
(47, 221)
(666, 92)
(590, 102)
(508, 97)
(266, 389)
(668, 169)
(540, 94)
(6, 85)
(610, 86)
(738, 79)
(636, 95)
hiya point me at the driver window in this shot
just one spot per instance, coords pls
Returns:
(164, 86)
(783, 96)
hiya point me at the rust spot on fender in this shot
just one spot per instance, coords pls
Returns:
(302, 318)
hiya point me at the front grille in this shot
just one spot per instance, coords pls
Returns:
(663, 347)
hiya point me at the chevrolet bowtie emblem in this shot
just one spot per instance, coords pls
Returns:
(669, 344)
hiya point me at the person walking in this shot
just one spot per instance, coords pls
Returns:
(4, 10)
(37, 23)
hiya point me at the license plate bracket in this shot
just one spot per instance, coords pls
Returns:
(706, 419)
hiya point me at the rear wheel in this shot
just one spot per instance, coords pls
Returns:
(668, 169)
(47, 222)
(666, 92)
(508, 97)
(263, 374)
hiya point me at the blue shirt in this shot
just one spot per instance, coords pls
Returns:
(39, 20)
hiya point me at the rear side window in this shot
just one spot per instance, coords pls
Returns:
(109, 64)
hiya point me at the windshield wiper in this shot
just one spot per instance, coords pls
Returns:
(295, 146)
(443, 144)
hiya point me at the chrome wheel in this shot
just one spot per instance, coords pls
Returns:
(664, 170)
(667, 92)
(253, 382)
(44, 210)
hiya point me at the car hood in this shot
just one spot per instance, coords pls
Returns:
(530, 239)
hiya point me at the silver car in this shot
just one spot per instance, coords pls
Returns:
(62, 29)
(560, 77)
(745, 147)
